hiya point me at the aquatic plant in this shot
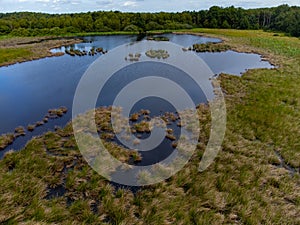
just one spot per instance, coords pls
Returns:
(157, 54)
(30, 127)
(100, 50)
(171, 137)
(170, 131)
(20, 131)
(54, 113)
(174, 144)
(134, 117)
(6, 140)
(133, 57)
(158, 38)
(211, 47)
(136, 156)
(39, 123)
(142, 127)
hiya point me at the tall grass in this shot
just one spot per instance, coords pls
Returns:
(7, 55)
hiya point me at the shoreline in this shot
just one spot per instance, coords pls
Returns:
(240, 49)
(33, 48)
(45, 44)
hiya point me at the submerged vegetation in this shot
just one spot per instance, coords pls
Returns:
(254, 180)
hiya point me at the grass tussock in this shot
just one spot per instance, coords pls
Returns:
(158, 38)
(210, 47)
(6, 140)
(159, 54)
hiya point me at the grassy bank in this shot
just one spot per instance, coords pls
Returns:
(272, 103)
(99, 33)
(21, 49)
(14, 55)
(254, 179)
(16, 49)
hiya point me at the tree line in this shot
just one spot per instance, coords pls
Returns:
(283, 18)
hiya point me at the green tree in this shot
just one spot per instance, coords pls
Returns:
(225, 24)
(132, 27)
(244, 23)
(153, 26)
(213, 23)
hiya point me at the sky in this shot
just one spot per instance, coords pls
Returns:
(68, 6)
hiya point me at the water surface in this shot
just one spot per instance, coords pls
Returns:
(28, 90)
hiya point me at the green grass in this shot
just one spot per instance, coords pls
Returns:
(79, 34)
(2, 37)
(22, 49)
(245, 184)
(210, 47)
(257, 39)
(271, 103)
(15, 54)
(82, 34)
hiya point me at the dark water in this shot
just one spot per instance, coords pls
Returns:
(28, 90)
(233, 62)
(187, 40)
(145, 69)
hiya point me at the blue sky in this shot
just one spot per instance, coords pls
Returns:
(61, 6)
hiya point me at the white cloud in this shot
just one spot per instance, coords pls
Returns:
(131, 5)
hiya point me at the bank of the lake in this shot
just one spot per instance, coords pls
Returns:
(22, 49)
(37, 86)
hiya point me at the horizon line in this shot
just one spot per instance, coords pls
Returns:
(124, 11)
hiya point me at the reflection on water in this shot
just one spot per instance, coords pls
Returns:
(231, 62)
(28, 90)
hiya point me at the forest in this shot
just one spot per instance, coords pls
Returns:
(283, 18)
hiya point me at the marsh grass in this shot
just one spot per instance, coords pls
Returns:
(158, 38)
(6, 140)
(159, 54)
(245, 184)
(19, 54)
(16, 50)
(210, 47)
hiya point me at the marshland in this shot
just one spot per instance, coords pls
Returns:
(254, 180)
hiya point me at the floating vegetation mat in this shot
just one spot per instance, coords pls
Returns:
(159, 54)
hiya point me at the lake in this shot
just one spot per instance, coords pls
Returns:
(28, 90)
